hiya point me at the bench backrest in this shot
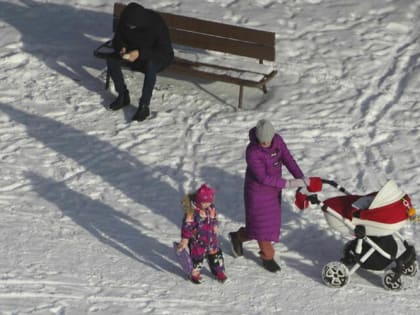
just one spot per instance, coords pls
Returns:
(203, 34)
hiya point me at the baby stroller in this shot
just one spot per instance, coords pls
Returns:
(374, 220)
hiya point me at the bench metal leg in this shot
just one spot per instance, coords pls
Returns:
(241, 94)
(264, 88)
(107, 79)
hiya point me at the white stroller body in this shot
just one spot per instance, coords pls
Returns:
(375, 219)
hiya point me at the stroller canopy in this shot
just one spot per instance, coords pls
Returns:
(389, 194)
(381, 212)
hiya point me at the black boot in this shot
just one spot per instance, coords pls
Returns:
(142, 113)
(217, 265)
(236, 244)
(270, 265)
(122, 100)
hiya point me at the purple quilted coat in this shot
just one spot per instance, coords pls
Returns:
(263, 185)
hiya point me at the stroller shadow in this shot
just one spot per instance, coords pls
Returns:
(316, 246)
(374, 279)
(314, 255)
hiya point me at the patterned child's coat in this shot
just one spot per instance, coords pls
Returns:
(200, 228)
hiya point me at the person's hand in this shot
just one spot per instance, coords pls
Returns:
(216, 230)
(131, 56)
(182, 245)
(123, 51)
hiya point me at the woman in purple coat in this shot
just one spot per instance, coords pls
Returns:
(265, 155)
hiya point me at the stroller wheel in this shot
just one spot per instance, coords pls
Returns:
(391, 281)
(335, 274)
(411, 270)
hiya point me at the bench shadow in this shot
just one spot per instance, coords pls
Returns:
(200, 84)
(61, 36)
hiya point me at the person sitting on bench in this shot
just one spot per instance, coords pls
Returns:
(142, 42)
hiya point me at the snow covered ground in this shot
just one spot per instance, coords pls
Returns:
(90, 202)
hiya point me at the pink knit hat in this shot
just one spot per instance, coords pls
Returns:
(204, 194)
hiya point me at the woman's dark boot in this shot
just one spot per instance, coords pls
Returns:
(270, 265)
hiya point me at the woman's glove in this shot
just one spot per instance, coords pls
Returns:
(296, 183)
(301, 201)
(312, 184)
(315, 184)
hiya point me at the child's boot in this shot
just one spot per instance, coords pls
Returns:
(217, 267)
(196, 277)
(221, 276)
(195, 273)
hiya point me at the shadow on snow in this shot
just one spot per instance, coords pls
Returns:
(137, 181)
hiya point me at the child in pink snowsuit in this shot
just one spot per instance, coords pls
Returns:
(199, 233)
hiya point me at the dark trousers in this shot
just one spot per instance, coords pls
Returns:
(149, 68)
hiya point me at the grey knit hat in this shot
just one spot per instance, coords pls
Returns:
(264, 131)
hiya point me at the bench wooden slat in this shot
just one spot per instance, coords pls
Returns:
(212, 76)
(215, 28)
(210, 27)
(228, 67)
(193, 24)
(221, 44)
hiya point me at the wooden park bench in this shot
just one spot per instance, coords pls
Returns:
(215, 51)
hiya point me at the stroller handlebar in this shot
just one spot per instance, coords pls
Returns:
(303, 199)
(334, 184)
(331, 183)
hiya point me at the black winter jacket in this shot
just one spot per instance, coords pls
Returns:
(146, 31)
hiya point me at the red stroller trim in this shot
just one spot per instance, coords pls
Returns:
(389, 214)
